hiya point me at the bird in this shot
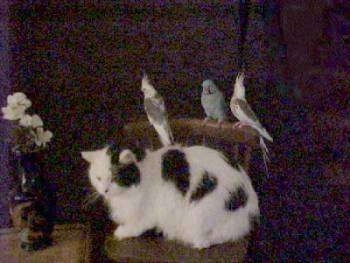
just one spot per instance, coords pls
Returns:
(246, 116)
(156, 112)
(213, 102)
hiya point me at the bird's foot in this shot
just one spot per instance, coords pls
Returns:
(236, 124)
(205, 121)
(240, 125)
(219, 124)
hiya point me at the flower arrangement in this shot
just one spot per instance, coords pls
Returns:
(29, 135)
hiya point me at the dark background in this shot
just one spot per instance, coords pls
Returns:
(80, 63)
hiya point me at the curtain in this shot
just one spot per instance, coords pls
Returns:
(5, 178)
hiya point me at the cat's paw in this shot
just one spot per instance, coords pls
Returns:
(123, 232)
(201, 244)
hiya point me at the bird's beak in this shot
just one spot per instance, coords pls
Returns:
(208, 91)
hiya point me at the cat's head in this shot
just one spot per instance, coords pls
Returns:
(32, 183)
(110, 172)
(100, 170)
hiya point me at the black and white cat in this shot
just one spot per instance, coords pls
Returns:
(190, 194)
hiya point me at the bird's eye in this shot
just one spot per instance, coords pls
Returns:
(99, 178)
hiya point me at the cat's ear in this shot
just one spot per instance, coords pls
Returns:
(90, 156)
(127, 157)
(87, 156)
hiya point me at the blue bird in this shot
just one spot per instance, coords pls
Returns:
(213, 102)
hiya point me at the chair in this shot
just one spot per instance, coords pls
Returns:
(237, 144)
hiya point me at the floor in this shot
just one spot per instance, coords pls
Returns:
(305, 201)
(70, 245)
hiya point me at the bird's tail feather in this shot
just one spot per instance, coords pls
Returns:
(170, 133)
(265, 153)
(265, 134)
(262, 131)
(165, 134)
(171, 137)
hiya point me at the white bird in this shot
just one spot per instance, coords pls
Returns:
(243, 112)
(156, 112)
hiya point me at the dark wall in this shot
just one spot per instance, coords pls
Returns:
(64, 61)
(4, 129)
(81, 66)
(315, 33)
(316, 37)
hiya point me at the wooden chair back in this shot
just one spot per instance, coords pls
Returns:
(237, 144)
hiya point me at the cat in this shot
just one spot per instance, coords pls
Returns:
(190, 194)
(32, 204)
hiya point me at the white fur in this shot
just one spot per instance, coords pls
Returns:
(100, 169)
(157, 203)
(127, 157)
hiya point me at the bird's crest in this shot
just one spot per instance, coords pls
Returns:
(239, 89)
(208, 82)
(146, 86)
(145, 81)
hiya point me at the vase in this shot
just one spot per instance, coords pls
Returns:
(31, 210)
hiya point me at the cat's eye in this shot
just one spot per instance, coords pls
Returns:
(33, 180)
(99, 178)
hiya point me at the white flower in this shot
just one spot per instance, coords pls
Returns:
(17, 99)
(17, 103)
(13, 113)
(42, 137)
(31, 121)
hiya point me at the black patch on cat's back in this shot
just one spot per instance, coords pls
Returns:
(207, 185)
(113, 152)
(237, 199)
(127, 175)
(175, 168)
(139, 152)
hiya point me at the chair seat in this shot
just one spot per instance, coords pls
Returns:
(156, 249)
